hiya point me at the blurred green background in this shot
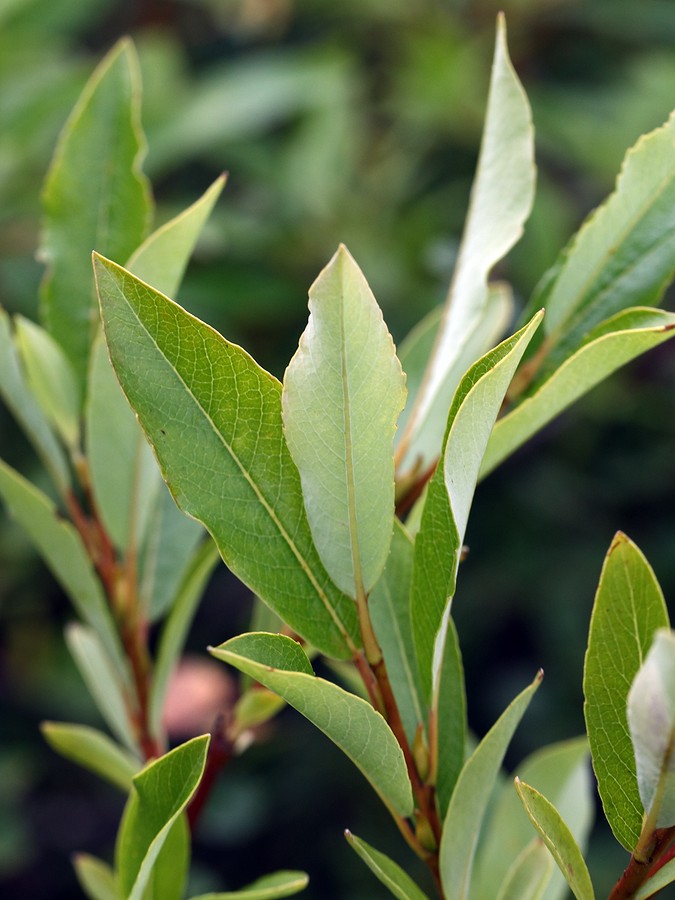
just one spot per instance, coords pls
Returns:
(356, 122)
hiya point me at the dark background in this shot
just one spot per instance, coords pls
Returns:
(359, 122)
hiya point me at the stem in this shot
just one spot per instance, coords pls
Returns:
(219, 754)
(646, 859)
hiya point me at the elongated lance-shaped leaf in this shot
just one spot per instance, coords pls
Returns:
(213, 417)
(450, 752)
(269, 887)
(501, 199)
(470, 798)
(96, 878)
(281, 665)
(94, 197)
(528, 875)
(343, 391)
(629, 608)
(651, 721)
(392, 876)
(160, 794)
(606, 348)
(27, 412)
(94, 750)
(439, 542)
(559, 840)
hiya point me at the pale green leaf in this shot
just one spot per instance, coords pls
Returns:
(51, 379)
(23, 405)
(527, 877)
(651, 722)
(193, 389)
(255, 706)
(269, 887)
(102, 680)
(167, 872)
(501, 199)
(439, 542)
(280, 664)
(343, 391)
(95, 197)
(92, 750)
(62, 549)
(158, 798)
(391, 875)
(629, 608)
(389, 607)
(176, 627)
(559, 840)
(605, 349)
(470, 798)
(96, 878)
(450, 720)
(660, 879)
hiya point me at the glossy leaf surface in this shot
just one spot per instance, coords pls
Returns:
(391, 875)
(269, 887)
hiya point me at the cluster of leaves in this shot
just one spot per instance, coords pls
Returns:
(299, 486)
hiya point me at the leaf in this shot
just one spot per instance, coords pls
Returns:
(439, 542)
(176, 627)
(605, 349)
(651, 722)
(269, 887)
(62, 549)
(391, 875)
(451, 721)
(23, 405)
(501, 199)
(280, 664)
(51, 379)
(469, 801)
(527, 877)
(660, 879)
(238, 477)
(628, 609)
(559, 840)
(102, 680)
(94, 197)
(389, 607)
(343, 391)
(160, 794)
(96, 878)
(92, 750)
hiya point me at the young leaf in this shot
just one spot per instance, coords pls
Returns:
(280, 664)
(651, 721)
(391, 875)
(559, 840)
(192, 389)
(23, 405)
(605, 349)
(501, 199)
(527, 877)
(96, 878)
(628, 609)
(343, 391)
(439, 542)
(160, 794)
(94, 196)
(469, 801)
(269, 887)
(92, 750)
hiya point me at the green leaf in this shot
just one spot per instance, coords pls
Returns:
(191, 388)
(629, 608)
(159, 795)
(605, 349)
(269, 887)
(651, 721)
(501, 199)
(51, 379)
(559, 840)
(343, 391)
(451, 720)
(391, 875)
(660, 879)
(529, 874)
(103, 681)
(95, 197)
(389, 607)
(176, 627)
(439, 542)
(62, 549)
(23, 405)
(469, 801)
(560, 772)
(96, 878)
(93, 750)
(280, 664)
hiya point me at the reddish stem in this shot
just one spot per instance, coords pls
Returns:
(219, 754)
(639, 870)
